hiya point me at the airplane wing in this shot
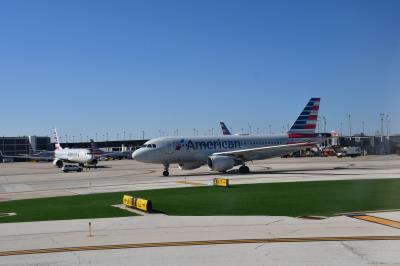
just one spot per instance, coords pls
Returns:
(266, 152)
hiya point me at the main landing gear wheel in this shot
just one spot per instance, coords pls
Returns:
(166, 167)
(244, 169)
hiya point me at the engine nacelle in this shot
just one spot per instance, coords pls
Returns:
(189, 166)
(220, 163)
(59, 163)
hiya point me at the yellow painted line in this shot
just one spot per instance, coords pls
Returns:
(378, 220)
(190, 183)
(197, 243)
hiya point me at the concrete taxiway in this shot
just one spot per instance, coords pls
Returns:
(373, 238)
(33, 180)
(166, 240)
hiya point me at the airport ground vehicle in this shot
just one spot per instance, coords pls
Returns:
(349, 152)
(71, 167)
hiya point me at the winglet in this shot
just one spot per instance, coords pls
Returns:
(305, 125)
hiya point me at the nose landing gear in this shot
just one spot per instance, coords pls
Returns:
(166, 167)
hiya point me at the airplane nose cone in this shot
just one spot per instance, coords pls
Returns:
(137, 155)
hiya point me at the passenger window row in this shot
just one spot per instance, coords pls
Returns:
(264, 143)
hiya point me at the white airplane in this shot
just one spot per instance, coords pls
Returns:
(76, 155)
(222, 153)
(61, 156)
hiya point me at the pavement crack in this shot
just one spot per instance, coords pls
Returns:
(357, 253)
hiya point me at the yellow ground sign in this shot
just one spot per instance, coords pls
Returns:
(221, 182)
(138, 203)
(127, 200)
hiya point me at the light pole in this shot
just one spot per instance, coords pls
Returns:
(350, 125)
(363, 127)
(341, 128)
(382, 115)
(80, 136)
(324, 123)
(387, 126)
(319, 124)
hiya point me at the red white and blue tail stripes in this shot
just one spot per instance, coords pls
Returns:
(305, 125)
(57, 140)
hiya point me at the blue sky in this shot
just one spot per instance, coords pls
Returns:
(102, 67)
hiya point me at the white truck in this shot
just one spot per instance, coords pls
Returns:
(349, 152)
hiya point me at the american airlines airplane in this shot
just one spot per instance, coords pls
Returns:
(222, 153)
(80, 155)
(101, 155)
(224, 128)
(61, 156)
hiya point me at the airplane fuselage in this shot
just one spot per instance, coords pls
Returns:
(74, 155)
(197, 149)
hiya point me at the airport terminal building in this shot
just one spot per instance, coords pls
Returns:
(14, 146)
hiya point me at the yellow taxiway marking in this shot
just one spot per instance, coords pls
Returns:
(190, 183)
(197, 243)
(378, 220)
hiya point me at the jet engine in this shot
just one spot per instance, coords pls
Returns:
(59, 163)
(220, 163)
(189, 166)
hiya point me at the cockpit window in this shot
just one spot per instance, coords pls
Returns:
(151, 146)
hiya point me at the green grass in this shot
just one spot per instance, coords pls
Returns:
(324, 198)
(63, 208)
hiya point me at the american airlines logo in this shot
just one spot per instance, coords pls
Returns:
(179, 145)
(212, 145)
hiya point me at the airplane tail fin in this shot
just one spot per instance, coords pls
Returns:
(225, 130)
(94, 148)
(57, 140)
(305, 125)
